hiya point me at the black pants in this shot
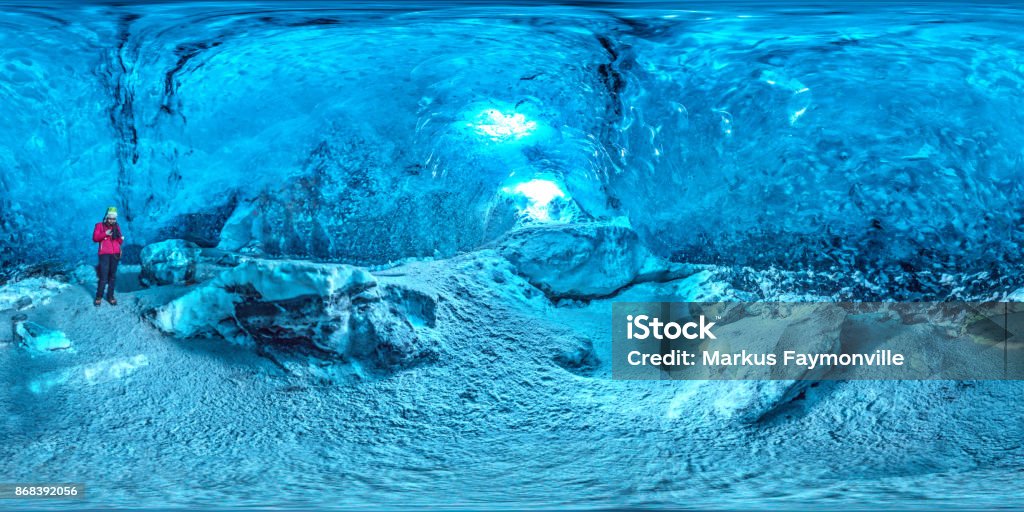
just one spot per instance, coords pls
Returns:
(107, 275)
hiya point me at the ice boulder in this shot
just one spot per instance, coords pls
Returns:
(169, 262)
(241, 230)
(576, 260)
(37, 338)
(34, 291)
(299, 310)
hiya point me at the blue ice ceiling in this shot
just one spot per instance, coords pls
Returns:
(805, 141)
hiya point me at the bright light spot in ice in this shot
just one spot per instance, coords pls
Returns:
(498, 126)
(539, 193)
(796, 115)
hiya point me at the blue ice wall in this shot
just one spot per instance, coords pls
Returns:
(746, 136)
(861, 139)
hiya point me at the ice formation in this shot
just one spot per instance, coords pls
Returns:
(387, 242)
(29, 292)
(168, 262)
(98, 373)
(37, 338)
(812, 153)
(578, 260)
(324, 311)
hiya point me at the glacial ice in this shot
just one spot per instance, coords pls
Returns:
(818, 152)
(84, 275)
(113, 369)
(329, 312)
(25, 293)
(201, 310)
(168, 262)
(37, 338)
(435, 210)
(100, 372)
(576, 260)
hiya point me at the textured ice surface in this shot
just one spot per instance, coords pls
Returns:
(526, 168)
(38, 338)
(577, 260)
(321, 313)
(202, 309)
(517, 409)
(29, 292)
(170, 261)
(874, 140)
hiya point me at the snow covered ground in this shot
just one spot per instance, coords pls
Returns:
(527, 168)
(516, 410)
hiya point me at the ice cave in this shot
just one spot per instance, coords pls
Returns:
(369, 250)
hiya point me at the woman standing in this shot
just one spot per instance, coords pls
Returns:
(108, 235)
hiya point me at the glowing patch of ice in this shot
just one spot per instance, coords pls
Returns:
(108, 370)
(499, 126)
(539, 194)
(796, 115)
(113, 369)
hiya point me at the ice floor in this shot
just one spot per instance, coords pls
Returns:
(414, 218)
(503, 417)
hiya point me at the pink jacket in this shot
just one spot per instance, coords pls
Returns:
(108, 245)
